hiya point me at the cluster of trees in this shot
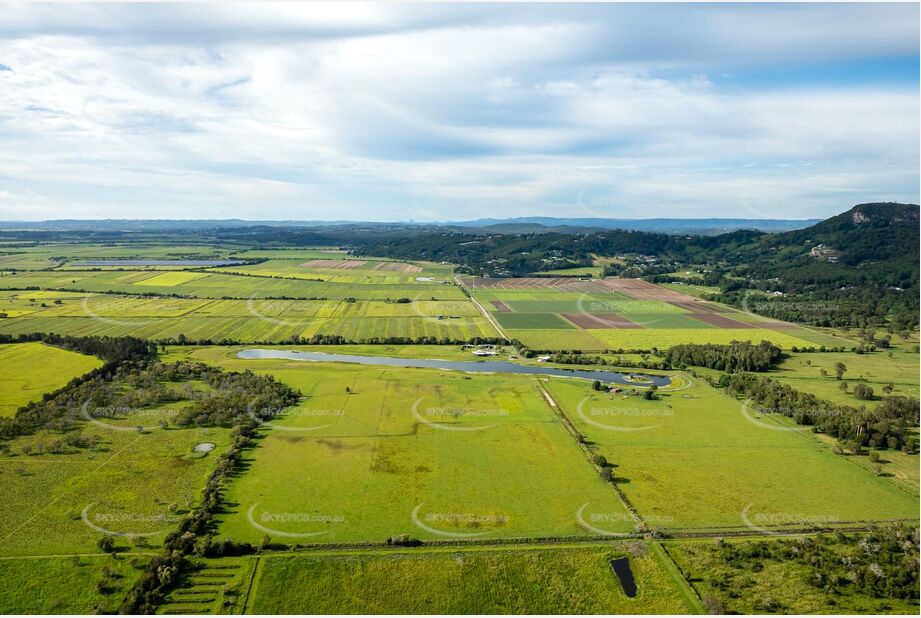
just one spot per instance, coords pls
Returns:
(881, 563)
(318, 339)
(246, 399)
(888, 425)
(577, 358)
(735, 356)
(57, 409)
(233, 396)
(109, 349)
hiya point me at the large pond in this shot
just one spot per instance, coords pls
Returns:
(158, 263)
(486, 366)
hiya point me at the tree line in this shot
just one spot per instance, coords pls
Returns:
(888, 425)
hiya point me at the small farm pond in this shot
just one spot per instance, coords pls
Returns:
(486, 366)
(621, 568)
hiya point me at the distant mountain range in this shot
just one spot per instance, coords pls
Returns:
(667, 226)
(519, 225)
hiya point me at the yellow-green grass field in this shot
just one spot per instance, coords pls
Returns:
(136, 483)
(803, 371)
(699, 459)
(29, 370)
(662, 338)
(529, 580)
(432, 454)
(67, 585)
(575, 271)
(692, 289)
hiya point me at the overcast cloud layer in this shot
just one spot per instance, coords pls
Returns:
(456, 111)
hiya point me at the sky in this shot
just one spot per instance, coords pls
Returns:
(456, 111)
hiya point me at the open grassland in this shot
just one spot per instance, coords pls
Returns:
(575, 271)
(700, 459)
(492, 581)
(692, 289)
(373, 452)
(67, 585)
(56, 500)
(29, 370)
(803, 371)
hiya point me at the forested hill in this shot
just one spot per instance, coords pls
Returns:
(861, 265)
(865, 232)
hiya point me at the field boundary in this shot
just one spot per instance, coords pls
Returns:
(687, 589)
(482, 309)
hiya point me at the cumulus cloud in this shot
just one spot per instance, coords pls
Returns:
(447, 112)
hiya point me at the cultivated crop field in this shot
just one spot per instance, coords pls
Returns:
(242, 320)
(29, 370)
(626, 314)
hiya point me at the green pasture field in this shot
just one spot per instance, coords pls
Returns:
(530, 580)
(698, 459)
(572, 339)
(802, 371)
(429, 453)
(137, 482)
(29, 370)
(66, 585)
(662, 338)
(692, 289)
(594, 271)
(896, 466)
(783, 584)
(533, 321)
